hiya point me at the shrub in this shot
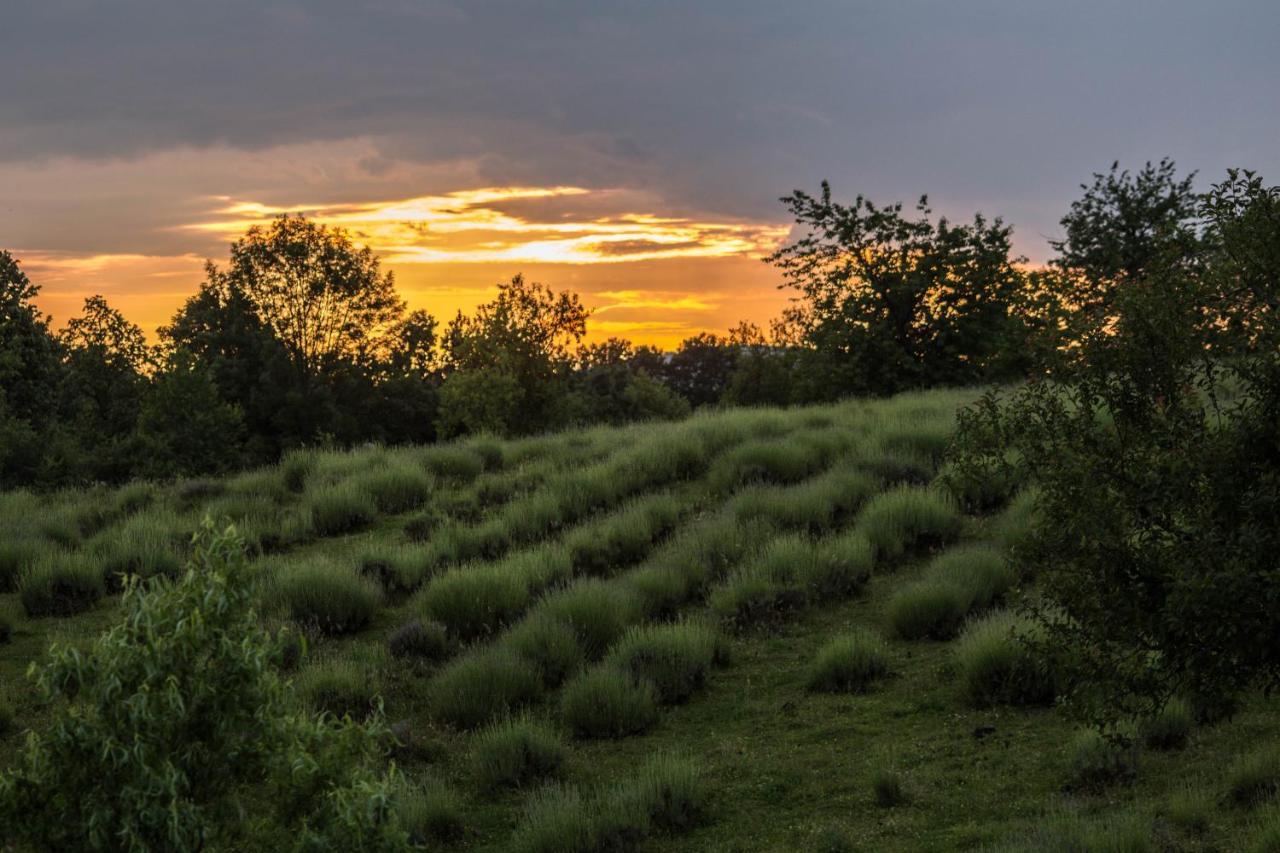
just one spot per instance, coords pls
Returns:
(329, 597)
(996, 664)
(397, 568)
(548, 644)
(557, 820)
(61, 587)
(430, 812)
(17, 557)
(907, 516)
(1098, 761)
(482, 686)
(1255, 778)
(6, 719)
(662, 589)
(813, 505)
(145, 545)
(515, 753)
(340, 687)
(474, 601)
(929, 608)
(421, 526)
(1170, 728)
(337, 509)
(1264, 835)
(980, 572)
(841, 567)
(453, 461)
(754, 598)
(419, 639)
(668, 792)
(605, 702)
(597, 611)
(673, 658)
(849, 664)
(296, 467)
(1190, 808)
(762, 461)
(623, 538)
(185, 679)
(396, 489)
(886, 787)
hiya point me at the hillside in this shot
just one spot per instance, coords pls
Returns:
(663, 591)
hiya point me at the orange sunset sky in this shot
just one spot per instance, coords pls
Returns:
(632, 152)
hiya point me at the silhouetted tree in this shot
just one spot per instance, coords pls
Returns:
(890, 302)
(700, 368)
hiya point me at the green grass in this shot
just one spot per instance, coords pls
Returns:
(516, 753)
(909, 516)
(331, 598)
(586, 636)
(606, 702)
(851, 663)
(61, 585)
(482, 686)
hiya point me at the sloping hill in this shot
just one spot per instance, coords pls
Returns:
(750, 630)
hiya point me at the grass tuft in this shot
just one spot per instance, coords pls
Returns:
(482, 686)
(329, 597)
(515, 753)
(849, 664)
(605, 702)
(61, 586)
(996, 665)
(906, 517)
(1255, 778)
(673, 658)
(431, 812)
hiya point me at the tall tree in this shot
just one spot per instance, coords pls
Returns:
(891, 302)
(325, 300)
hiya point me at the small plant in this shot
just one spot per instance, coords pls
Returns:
(930, 608)
(849, 664)
(482, 686)
(1170, 728)
(1264, 836)
(398, 568)
(597, 611)
(557, 819)
(329, 597)
(396, 489)
(1190, 808)
(548, 644)
(841, 567)
(887, 788)
(997, 665)
(340, 687)
(61, 587)
(516, 753)
(337, 509)
(474, 601)
(1255, 778)
(623, 538)
(668, 792)
(906, 516)
(19, 556)
(418, 639)
(1098, 762)
(752, 598)
(431, 812)
(605, 702)
(662, 589)
(673, 658)
(454, 462)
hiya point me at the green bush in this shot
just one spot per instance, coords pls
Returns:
(61, 587)
(329, 597)
(548, 644)
(341, 687)
(849, 664)
(668, 792)
(908, 516)
(1255, 778)
(980, 572)
(753, 597)
(814, 505)
(474, 601)
(1098, 762)
(929, 608)
(185, 679)
(623, 538)
(673, 658)
(1191, 807)
(763, 461)
(19, 556)
(418, 639)
(662, 589)
(453, 461)
(996, 665)
(597, 611)
(1170, 728)
(516, 752)
(482, 686)
(396, 489)
(337, 509)
(6, 719)
(841, 567)
(1264, 834)
(605, 702)
(145, 545)
(398, 567)
(296, 467)
(557, 819)
(431, 812)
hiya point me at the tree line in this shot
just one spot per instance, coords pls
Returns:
(301, 338)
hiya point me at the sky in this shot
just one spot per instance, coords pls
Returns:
(633, 152)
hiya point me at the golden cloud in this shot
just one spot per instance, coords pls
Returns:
(505, 225)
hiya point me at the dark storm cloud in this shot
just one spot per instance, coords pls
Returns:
(723, 105)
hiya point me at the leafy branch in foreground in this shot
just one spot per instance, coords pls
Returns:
(163, 733)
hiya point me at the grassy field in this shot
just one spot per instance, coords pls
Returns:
(750, 630)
